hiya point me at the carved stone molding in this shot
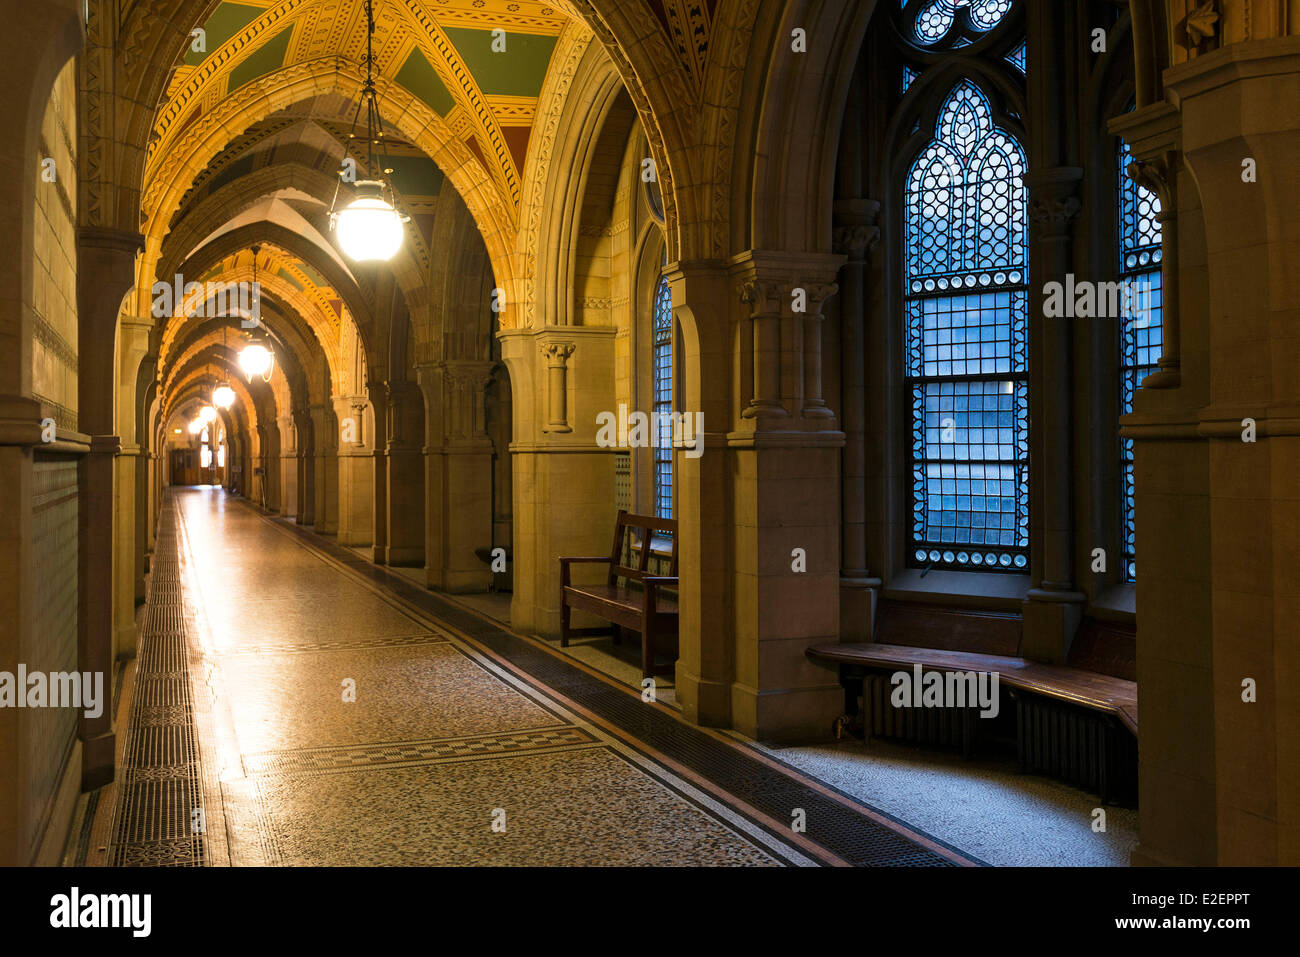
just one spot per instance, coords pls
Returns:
(856, 232)
(765, 297)
(1052, 217)
(557, 356)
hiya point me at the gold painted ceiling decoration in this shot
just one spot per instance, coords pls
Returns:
(478, 64)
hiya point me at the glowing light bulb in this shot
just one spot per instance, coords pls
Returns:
(223, 396)
(369, 227)
(207, 413)
(256, 360)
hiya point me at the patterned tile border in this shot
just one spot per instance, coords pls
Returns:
(416, 752)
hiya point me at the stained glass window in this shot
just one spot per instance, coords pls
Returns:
(937, 19)
(1140, 340)
(1018, 57)
(663, 399)
(965, 245)
(909, 75)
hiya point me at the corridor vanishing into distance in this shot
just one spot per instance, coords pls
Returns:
(330, 721)
(649, 432)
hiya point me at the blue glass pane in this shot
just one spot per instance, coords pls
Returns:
(1140, 341)
(938, 18)
(663, 399)
(966, 318)
(909, 77)
(1018, 57)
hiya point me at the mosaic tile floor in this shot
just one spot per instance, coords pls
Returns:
(293, 704)
(335, 727)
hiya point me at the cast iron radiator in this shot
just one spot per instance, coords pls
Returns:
(1082, 747)
(1085, 748)
(942, 727)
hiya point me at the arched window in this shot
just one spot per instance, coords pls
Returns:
(1138, 245)
(962, 21)
(966, 316)
(663, 399)
(205, 451)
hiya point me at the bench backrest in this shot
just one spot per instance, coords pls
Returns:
(639, 551)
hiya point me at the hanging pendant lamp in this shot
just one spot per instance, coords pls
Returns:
(257, 358)
(370, 227)
(223, 395)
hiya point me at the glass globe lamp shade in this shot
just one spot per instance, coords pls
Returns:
(369, 228)
(224, 396)
(196, 427)
(207, 413)
(256, 360)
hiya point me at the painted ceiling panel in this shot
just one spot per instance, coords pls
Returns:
(416, 175)
(227, 20)
(418, 76)
(517, 71)
(266, 59)
(517, 140)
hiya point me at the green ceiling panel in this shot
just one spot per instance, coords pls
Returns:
(289, 278)
(227, 20)
(518, 71)
(416, 175)
(266, 59)
(418, 76)
(316, 278)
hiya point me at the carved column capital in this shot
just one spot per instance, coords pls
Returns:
(856, 232)
(557, 353)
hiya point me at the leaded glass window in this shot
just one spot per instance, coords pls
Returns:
(663, 399)
(1140, 339)
(966, 314)
(1018, 57)
(909, 76)
(958, 21)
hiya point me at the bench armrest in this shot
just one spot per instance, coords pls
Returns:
(566, 562)
(651, 582)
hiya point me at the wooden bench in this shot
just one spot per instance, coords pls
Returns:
(630, 597)
(1048, 737)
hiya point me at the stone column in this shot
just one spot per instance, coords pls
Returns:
(557, 396)
(459, 507)
(305, 428)
(1053, 606)
(288, 466)
(356, 471)
(405, 495)
(105, 272)
(325, 476)
(855, 236)
(706, 306)
(786, 502)
(379, 511)
(1217, 459)
(563, 481)
(132, 348)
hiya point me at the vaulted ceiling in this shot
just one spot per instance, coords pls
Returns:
(484, 85)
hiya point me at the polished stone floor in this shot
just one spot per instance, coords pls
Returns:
(337, 726)
(294, 704)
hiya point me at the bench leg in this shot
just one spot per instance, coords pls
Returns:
(647, 652)
(564, 623)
